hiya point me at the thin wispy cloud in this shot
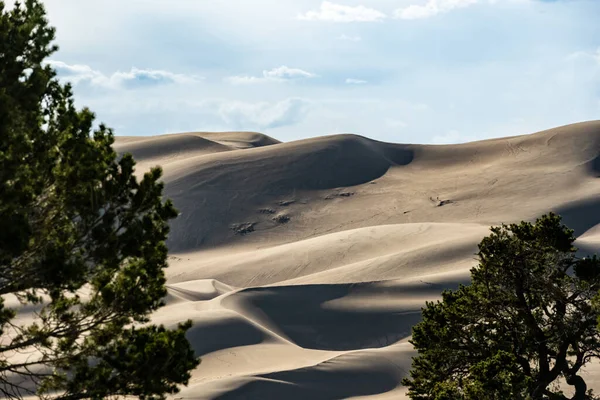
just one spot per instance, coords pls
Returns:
(278, 74)
(135, 77)
(142, 77)
(431, 8)
(285, 72)
(333, 12)
(353, 81)
(593, 56)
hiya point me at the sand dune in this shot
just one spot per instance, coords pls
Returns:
(305, 264)
(287, 192)
(348, 375)
(357, 255)
(169, 146)
(240, 140)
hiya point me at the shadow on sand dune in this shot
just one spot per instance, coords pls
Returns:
(326, 163)
(586, 250)
(207, 336)
(581, 215)
(235, 185)
(302, 314)
(340, 378)
(595, 166)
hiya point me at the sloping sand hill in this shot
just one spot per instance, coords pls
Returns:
(305, 264)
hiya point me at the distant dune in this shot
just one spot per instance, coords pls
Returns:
(305, 264)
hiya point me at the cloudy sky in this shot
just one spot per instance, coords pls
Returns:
(412, 71)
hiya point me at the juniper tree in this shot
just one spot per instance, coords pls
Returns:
(528, 318)
(82, 241)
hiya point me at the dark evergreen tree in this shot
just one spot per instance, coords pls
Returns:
(528, 318)
(81, 239)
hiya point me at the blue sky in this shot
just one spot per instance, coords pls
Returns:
(411, 71)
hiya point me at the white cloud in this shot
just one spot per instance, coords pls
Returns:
(263, 115)
(278, 74)
(340, 13)
(143, 76)
(79, 73)
(76, 73)
(285, 72)
(349, 38)
(431, 8)
(593, 56)
(244, 80)
(352, 81)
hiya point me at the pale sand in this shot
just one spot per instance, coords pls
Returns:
(305, 264)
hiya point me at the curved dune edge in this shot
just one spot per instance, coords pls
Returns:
(366, 372)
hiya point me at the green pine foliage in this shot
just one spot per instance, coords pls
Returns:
(81, 239)
(528, 319)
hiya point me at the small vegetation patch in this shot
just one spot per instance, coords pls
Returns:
(243, 228)
(282, 219)
(444, 202)
(439, 202)
(340, 194)
(286, 203)
(266, 211)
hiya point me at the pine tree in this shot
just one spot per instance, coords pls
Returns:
(82, 241)
(528, 318)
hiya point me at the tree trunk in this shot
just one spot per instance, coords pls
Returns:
(538, 392)
(580, 387)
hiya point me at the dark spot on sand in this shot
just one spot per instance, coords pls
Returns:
(285, 203)
(282, 219)
(243, 228)
(341, 194)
